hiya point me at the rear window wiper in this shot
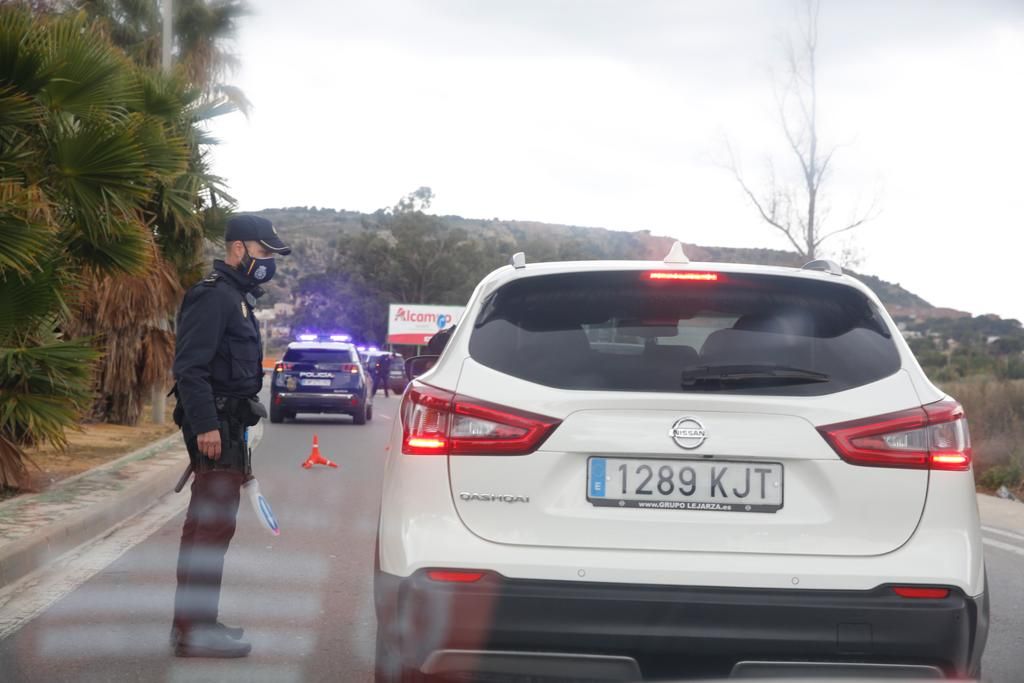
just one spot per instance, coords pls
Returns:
(753, 373)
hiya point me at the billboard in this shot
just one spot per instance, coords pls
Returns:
(415, 324)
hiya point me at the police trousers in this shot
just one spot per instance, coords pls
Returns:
(209, 528)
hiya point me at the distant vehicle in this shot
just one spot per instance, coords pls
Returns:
(397, 379)
(615, 467)
(317, 376)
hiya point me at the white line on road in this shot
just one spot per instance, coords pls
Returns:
(26, 599)
(1002, 532)
(1003, 546)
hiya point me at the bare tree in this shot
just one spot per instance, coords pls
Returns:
(799, 209)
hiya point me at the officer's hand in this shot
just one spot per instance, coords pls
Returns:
(209, 444)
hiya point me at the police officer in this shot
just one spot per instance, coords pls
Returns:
(218, 367)
(383, 370)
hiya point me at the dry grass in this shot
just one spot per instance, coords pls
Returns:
(95, 444)
(995, 411)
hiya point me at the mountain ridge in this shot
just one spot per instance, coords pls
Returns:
(315, 231)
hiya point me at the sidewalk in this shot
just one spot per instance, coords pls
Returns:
(1005, 514)
(37, 528)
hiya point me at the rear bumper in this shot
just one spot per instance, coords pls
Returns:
(317, 402)
(668, 629)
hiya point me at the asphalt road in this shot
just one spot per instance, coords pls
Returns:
(305, 597)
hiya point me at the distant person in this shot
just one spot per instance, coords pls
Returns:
(384, 366)
(218, 368)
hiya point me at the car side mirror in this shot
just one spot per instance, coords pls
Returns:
(414, 367)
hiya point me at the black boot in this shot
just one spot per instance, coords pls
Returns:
(235, 632)
(210, 641)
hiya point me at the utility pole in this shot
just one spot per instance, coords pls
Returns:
(167, 9)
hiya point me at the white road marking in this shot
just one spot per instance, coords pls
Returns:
(26, 599)
(1002, 532)
(1003, 546)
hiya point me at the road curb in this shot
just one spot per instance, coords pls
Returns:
(25, 555)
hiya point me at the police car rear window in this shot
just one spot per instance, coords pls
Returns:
(319, 356)
(629, 331)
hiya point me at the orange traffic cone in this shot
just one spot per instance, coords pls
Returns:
(315, 458)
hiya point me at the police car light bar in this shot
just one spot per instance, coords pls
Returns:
(340, 337)
(308, 337)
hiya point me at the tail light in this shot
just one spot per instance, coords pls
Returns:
(934, 437)
(682, 276)
(281, 366)
(350, 368)
(438, 422)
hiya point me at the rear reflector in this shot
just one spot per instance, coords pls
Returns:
(683, 276)
(934, 437)
(438, 422)
(918, 592)
(454, 577)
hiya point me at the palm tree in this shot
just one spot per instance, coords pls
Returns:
(87, 140)
(202, 29)
(182, 214)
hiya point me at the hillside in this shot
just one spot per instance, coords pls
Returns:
(315, 232)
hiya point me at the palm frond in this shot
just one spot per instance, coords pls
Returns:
(90, 78)
(18, 108)
(22, 56)
(100, 166)
(26, 228)
(26, 302)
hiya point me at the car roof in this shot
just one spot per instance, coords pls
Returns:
(507, 274)
(327, 346)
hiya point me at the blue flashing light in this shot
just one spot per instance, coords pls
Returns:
(360, 348)
(341, 338)
(307, 337)
(374, 348)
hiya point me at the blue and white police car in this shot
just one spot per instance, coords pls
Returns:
(321, 374)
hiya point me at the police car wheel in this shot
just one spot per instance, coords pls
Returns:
(369, 413)
(359, 417)
(276, 414)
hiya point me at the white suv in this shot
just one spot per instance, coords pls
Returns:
(628, 470)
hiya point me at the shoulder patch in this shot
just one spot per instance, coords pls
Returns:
(211, 279)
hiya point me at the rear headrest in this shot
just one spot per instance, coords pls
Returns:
(672, 355)
(744, 346)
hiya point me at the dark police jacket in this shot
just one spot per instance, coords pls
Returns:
(219, 351)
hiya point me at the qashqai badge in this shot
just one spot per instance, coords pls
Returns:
(688, 433)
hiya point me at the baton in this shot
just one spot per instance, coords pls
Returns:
(184, 478)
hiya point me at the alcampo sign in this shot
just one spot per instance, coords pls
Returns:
(415, 324)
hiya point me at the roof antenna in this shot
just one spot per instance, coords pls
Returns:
(519, 260)
(676, 254)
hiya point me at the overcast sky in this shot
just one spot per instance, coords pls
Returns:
(617, 114)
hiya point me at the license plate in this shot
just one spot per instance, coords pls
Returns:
(316, 382)
(720, 485)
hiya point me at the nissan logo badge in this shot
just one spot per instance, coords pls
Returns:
(688, 433)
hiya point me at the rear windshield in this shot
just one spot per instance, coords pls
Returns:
(621, 331)
(319, 356)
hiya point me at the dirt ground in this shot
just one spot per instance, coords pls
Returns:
(94, 445)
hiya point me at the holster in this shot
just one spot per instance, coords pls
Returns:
(234, 417)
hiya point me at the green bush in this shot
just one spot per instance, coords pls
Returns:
(1010, 475)
(995, 412)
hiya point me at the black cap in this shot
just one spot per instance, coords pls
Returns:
(256, 229)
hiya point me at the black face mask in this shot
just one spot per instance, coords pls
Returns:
(259, 270)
